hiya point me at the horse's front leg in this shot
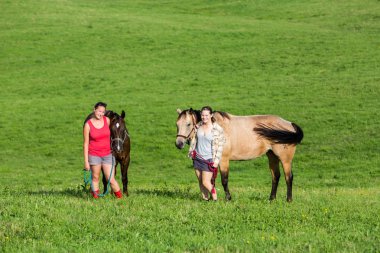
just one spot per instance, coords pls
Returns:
(224, 170)
(105, 179)
(124, 174)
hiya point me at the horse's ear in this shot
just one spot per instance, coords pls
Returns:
(191, 109)
(179, 111)
(122, 114)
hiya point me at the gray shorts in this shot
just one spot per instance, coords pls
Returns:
(100, 160)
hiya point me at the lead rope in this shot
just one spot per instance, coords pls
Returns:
(87, 179)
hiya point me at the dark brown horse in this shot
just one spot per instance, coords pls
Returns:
(120, 144)
(249, 137)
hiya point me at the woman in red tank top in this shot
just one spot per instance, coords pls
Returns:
(97, 149)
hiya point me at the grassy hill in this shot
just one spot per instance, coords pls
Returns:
(315, 63)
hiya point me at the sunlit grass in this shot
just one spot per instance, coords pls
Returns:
(313, 63)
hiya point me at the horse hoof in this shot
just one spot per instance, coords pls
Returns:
(228, 197)
(272, 197)
(289, 200)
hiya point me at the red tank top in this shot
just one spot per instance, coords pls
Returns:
(100, 139)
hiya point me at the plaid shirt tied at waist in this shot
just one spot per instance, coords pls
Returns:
(217, 143)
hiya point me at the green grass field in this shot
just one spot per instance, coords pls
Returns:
(315, 63)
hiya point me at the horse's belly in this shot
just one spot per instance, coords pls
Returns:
(240, 157)
(247, 152)
(245, 156)
(245, 144)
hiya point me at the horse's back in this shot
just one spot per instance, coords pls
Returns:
(248, 123)
(242, 142)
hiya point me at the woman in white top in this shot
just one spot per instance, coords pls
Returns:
(208, 146)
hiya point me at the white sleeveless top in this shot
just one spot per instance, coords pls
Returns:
(204, 144)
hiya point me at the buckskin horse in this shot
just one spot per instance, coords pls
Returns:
(249, 137)
(120, 144)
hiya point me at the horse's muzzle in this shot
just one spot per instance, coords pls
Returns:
(179, 144)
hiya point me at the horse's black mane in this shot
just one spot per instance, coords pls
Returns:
(110, 114)
(224, 114)
(197, 114)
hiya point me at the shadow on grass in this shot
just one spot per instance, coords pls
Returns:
(73, 192)
(259, 197)
(79, 192)
(174, 193)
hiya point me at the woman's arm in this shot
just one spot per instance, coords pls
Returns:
(193, 143)
(86, 141)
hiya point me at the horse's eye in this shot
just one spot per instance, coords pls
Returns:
(188, 124)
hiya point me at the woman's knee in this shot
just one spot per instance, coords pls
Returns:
(96, 170)
(207, 184)
(113, 181)
(206, 179)
(95, 177)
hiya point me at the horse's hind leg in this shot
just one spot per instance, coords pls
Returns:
(274, 163)
(224, 169)
(287, 166)
(124, 174)
(286, 154)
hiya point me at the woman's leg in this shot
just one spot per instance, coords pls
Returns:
(95, 170)
(206, 180)
(204, 191)
(106, 170)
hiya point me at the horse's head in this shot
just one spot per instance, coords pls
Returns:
(186, 122)
(119, 131)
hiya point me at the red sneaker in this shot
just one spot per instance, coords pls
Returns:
(213, 194)
(118, 194)
(95, 194)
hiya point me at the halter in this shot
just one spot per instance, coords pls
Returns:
(192, 130)
(121, 140)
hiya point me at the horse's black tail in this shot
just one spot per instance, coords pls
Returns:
(281, 136)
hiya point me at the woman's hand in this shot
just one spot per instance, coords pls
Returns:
(87, 166)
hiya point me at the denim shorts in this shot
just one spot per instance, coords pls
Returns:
(201, 165)
(100, 160)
